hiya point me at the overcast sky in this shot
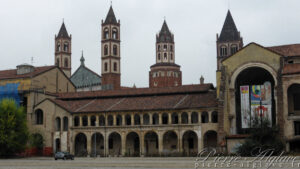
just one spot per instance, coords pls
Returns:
(27, 29)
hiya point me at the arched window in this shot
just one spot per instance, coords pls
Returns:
(93, 121)
(106, 33)
(105, 67)
(233, 49)
(174, 118)
(214, 117)
(84, 121)
(165, 118)
(76, 121)
(119, 120)
(171, 56)
(66, 62)
(39, 116)
(165, 56)
(57, 124)
(57, 62)
(105, 50)
(158, 47)
(66, 124)
(204, 117)
(115, 50)
(137, 120)
(195, 117)
(115, 66)
(155, 118)
(58, 47)
(223, 51)
(158, 57)
(184, 118)
(146, 119)
(171, 47)
(128, 119)
(66, 47)
(101, 120)
(165, 47)
(115, 33)
(110, 120)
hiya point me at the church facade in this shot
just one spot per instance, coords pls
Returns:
(93, 115)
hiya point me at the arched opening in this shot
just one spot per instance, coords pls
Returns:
(76, 121)
(210, 140)
(57, 124)
(39, 116)
(66, 47)
(97, 146)
(195, 117)
(151, 143)
(66, 62)
(115, 33)
(137, 119)
(204, 117)
(294, 99)
(115, 66)
(58, 47)
(223, 51)
(170, 143)
(105, 67)
(105, 50)
(93, 120)
(146, 119)
(190, 143)
(165, 118)
(110, 120)
(158, 56)
(128, 119)
(254, 98)
(115, 50)
(80, 145)
(57, 145)
(233, 49)
(155, 119)
(132, 144)
(66, 124)
(174, 118)
(158, 47)
(84, 121)
(101, 120)
(214, 117)
(114, 144)
(57, 62)
(119, 120)
(106, 33)
(184, 118)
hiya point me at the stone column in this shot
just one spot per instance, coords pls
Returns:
(170, 118)
(189, 117)
(180, 142)
(80, 121)
(123, 143)
(114, 119)
(160, 143)
(132, 119)
(142, 146)
(179, 118)
(106, 119)
(150, 119)
(97, 120)
(123, 119)
(199, 117)
(89, 143)
(89, 120)
(159, 118)
(209, 117)
(142, 119)
(106, 148)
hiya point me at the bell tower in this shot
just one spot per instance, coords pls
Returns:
(229, 41)
(165, 73)
(63, 50)
(110, 52)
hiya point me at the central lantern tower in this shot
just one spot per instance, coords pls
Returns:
(165, 73)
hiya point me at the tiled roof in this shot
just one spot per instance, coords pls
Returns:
(287, 50)
(229, 31)
(165, 64)
(289, 69)
(110, 18)
(140, 103)
(200, 88)
(12, 74)
(165, 35)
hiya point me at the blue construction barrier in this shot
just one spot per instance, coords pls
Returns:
(10, 90)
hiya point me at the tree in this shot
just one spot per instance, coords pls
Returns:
(263, 138)
(13, 128)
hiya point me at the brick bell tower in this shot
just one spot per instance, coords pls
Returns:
(110, 55)
(229, 41)
(165, 73)
(63, 53)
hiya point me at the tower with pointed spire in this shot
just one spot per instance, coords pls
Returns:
(165, 73)
(63, 52)
(229, 41)
(110, 52)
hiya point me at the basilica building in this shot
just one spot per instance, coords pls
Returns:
(89, 114)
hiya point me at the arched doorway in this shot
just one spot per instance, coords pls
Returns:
(132, 144)
(114, 144)
(80, 145)
(57, 145)
(210, 140)
(170, 143)
(151, 143)
(97, 146)
(254, 98)
(190, 143)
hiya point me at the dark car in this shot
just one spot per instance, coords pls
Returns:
(63, 155)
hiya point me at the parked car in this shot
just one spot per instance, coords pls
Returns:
(63, 155)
